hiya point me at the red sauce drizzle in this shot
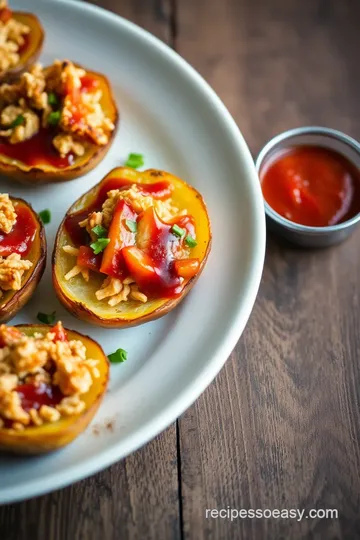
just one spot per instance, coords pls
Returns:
(37, 151)
(5, 15)
(20, 238)
(26, 44)
(34, 395)
(88, 83)
(311, 185)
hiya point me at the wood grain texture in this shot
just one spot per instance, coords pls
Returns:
(136, 499)
(156, 16)
(279, 428)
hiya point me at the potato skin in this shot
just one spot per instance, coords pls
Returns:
(37, 175)
(31, 54)
(52, 436)
(85, 312)
(18, 299)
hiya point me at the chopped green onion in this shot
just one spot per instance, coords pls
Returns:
(18, 121)
(190, 241)
(53, 99)
(54, 118)
(118, 356)
(135, 161)
(178, 231)
(131, 225)
(99, 245)
(100, 231)
(47, 318)
(45, 216)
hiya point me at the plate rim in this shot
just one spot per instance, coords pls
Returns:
(75, 473)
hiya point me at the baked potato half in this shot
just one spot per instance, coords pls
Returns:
(60, 133)
(31, 42)
(39, 430)
(22, 255)
(154, 236)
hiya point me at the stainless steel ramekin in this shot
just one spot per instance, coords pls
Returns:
(310, 136)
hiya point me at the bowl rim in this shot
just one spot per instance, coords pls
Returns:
(289, 134)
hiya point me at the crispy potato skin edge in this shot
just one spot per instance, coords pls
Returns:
(20, 298)
(35, 443)
(35, 25)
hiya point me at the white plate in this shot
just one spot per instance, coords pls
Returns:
(169, 114)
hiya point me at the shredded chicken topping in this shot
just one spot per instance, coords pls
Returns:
(42, 360)
(7, 213)
(12, 39)
(54, 96)
(12, 269)
(115, 290)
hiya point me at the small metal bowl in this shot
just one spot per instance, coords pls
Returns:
(310, 136)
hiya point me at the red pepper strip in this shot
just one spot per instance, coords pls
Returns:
(5, 15)
(152, 233)
(187, 268)
(59, 331)
(88, 259)
(140, 266)
(88, 83)
(120, 236)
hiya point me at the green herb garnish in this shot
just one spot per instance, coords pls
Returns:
(118, 356)
(178, 231)
(45, 216)
(190, 241)
(53, 99)
(100, 231)
(54, 118)
(19, 120)
(135, 161)
(131, 225)
(99, 245)
(46, 318)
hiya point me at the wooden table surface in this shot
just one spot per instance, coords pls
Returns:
(279, 427)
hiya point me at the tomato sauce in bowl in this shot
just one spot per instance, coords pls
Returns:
(310, 179)
(311, 185)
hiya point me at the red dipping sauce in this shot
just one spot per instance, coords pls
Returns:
(311, 185)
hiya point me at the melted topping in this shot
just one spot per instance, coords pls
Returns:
(22, 235)
(148, 255)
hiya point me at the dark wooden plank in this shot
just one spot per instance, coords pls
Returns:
(280, 426)
(138, 497)
(156, 16)
(134, 499)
